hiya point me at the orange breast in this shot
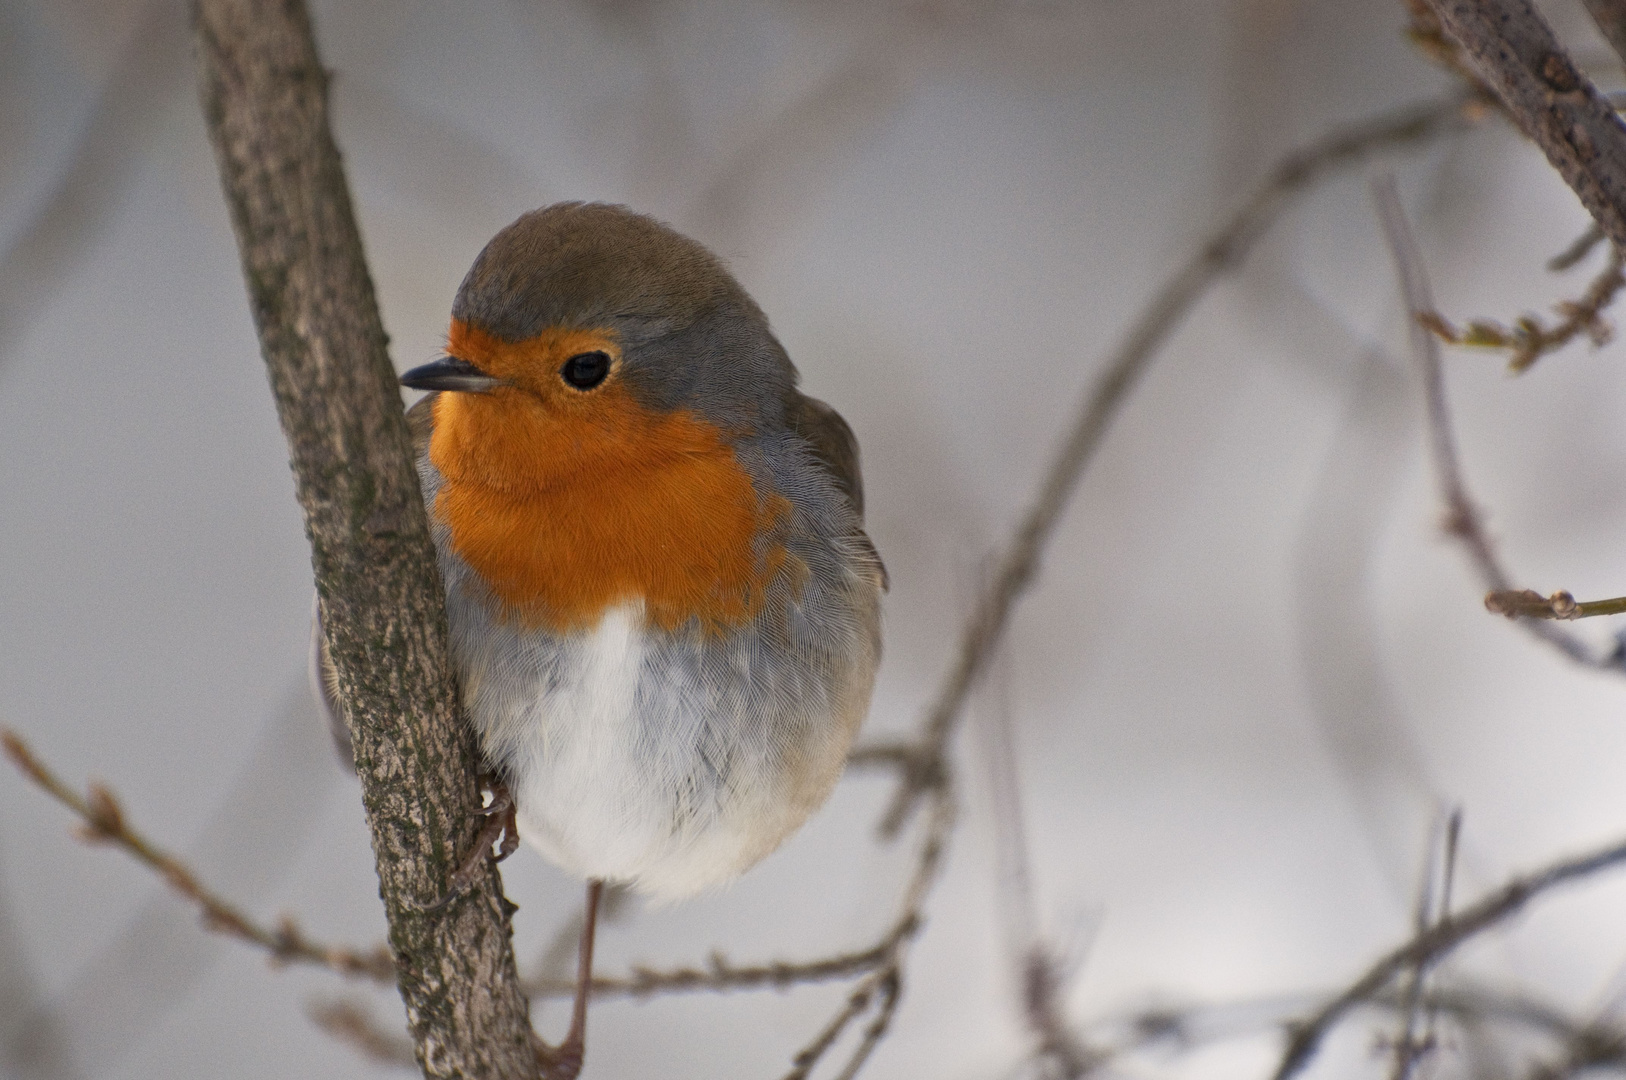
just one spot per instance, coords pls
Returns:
(566, 509)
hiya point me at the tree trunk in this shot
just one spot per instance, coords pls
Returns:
(264, 95)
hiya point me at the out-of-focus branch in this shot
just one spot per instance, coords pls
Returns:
(1462, 519)
(720, 975)
(1529, 339)
(1610, 15)
(1425, 32)
(1599, 1046)
(882, 988)
(1579, 249)
(1516, 52)
(351, 1024)
(1221, 252)
(105, 822)
(1430, 946)
(1417, 1030)
(264, 94)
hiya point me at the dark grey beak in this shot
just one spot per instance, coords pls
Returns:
(450, 373)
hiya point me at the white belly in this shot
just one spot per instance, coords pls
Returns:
(670, 764)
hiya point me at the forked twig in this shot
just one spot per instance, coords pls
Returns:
(1462, 519)
(1529, 339)
(883, 987)
(1433, 908)
(921, 761)
(1428, 947)
(1222, 251)
(104, 822)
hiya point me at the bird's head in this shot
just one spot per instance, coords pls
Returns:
(594, 331)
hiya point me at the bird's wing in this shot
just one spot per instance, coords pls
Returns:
(421, 422)
(324, 677)
(836, 448)
(833, 444)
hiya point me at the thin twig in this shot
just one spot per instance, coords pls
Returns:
(1042, 974)
(885, 984)
(1462, 518)
(856, 1004)
(889, 987)
(1433, 907)
(1431, 945)
(1529, 339)
(720, 976)
(353, 1025)
(896, 754)
(1578, 250)
(105, 822)
(1590, 1048)
(1527, 603)
(1220, 253)
(1191, 1026)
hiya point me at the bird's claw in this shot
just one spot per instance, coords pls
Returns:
(500, 824)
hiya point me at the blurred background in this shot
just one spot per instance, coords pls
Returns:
(1253, 674)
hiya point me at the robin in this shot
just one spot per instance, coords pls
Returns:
(664, 609)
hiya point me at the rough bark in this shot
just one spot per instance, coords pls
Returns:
(264, 95)
(1516, 52)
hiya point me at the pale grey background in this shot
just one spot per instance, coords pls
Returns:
(1251, 675)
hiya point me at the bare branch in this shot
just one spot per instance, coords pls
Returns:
(1527, 603)
(1529, 339)
(1610, 15)
(1589, 1048)
(1579, 249)
(264, 95)
(721, 976)
(354, 1026)
(884, 985)
(1462, 518)
(1438, 940)
(105, 822)
(883, 755)
(1433, 907)
(1516, 52)
(1221, 252)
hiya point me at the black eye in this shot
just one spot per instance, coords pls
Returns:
(586, 370)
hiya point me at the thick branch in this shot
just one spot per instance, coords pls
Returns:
(1557, 106)
(264, 95)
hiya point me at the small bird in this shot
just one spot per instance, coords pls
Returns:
(664, 609)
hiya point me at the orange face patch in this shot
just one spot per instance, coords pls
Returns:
(569, 502)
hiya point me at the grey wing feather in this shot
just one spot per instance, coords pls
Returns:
(324, 676)
(836, 448)
(833, 444)
(324, 679)
(421, 422)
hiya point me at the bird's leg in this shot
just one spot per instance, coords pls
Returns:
(564, 1062)
(500, 824)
